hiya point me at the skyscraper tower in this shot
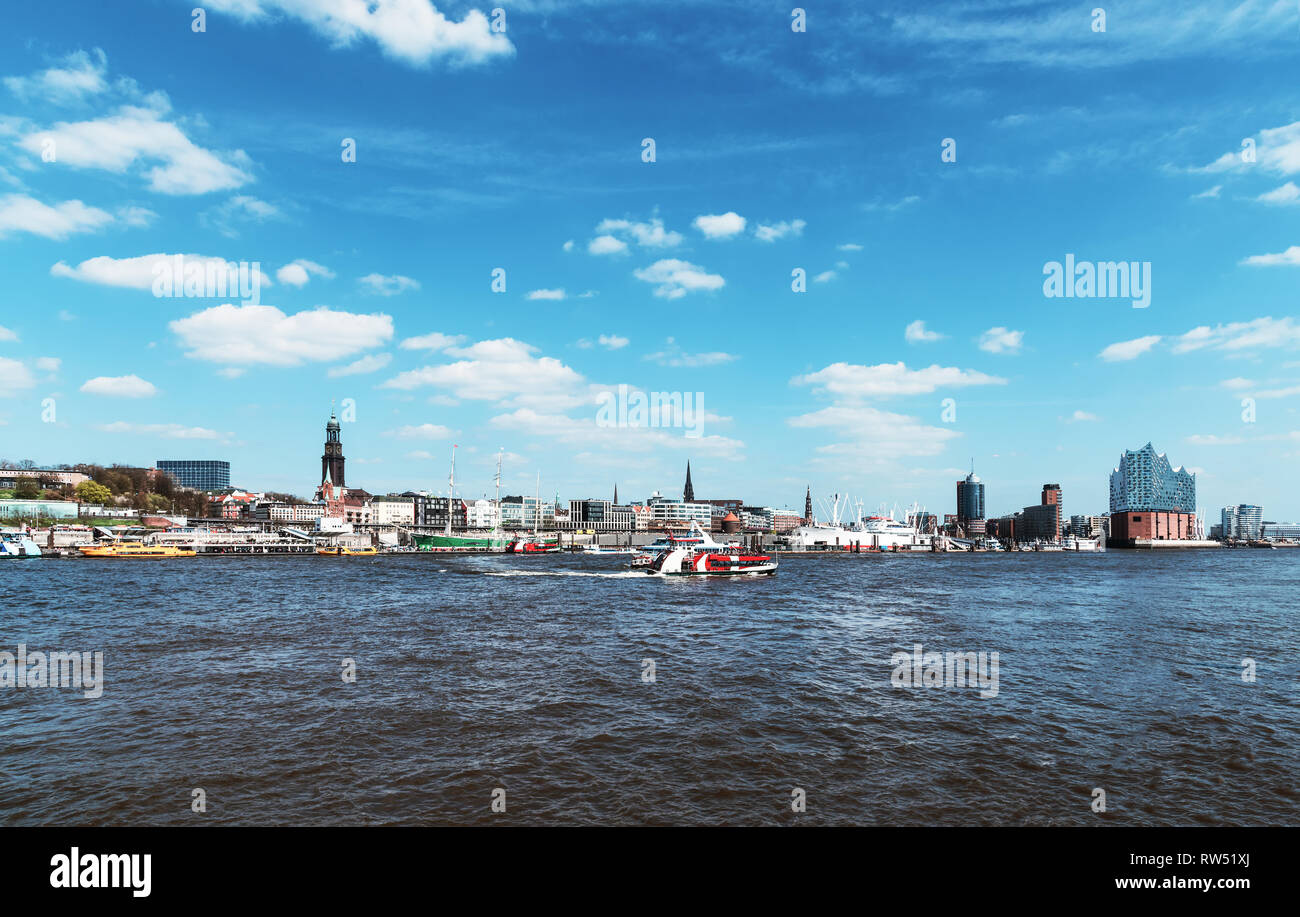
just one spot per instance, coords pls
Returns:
(807, 507)
(616, 495)
(331, 463)
(688, 494)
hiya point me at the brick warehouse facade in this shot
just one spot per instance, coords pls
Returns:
(1154, 525)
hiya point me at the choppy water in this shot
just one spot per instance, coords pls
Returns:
(1120, 671)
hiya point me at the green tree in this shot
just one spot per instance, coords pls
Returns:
(91, 492)
(27, 489)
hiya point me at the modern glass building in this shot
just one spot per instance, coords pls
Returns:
(1145, 481)
(1243, 521)
(197, 475)
(970, 499)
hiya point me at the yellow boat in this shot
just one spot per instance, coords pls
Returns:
(134, 549)
(337, 550)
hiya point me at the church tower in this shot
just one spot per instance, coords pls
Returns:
(331, 463)
(807, 507)
(688, 494)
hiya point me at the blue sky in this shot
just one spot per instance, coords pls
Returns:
(774, 150)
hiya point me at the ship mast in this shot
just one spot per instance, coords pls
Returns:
(451, 488)
(500, 455)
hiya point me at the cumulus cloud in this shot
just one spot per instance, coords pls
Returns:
(433, 341)
(504, 370)
(547, 294)
(674, 278)
(414, 32)
(917, 333)
(163, 430)
(770, 232)
(1236, 336)
(259, 334)
(1288, 258)
(14, 376)
(120, 387)
(296, 273)
(721, 225)
(138, 273)
(1001, 340)
(612, 341)
(21, 213)
(79, 75)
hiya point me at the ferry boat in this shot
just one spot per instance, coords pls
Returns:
(135, 549)
(338, 550)
(695, 537)
(466, 541)
(725, 560)
(18, 544)
(533, 545)
(608, 549)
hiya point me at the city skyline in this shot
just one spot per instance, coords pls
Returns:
(926, 335)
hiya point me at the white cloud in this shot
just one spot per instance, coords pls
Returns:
(606, 245)
(387, 285)
(20, 213)
(1289, 258)
(138, 273)
(547, 294)
(854, 381)
(7, 335)
(613, 342)
(80, 75)
(296, 273)
(1082, 417)
(721, 225)
(825, 277)
(568, 246)
(242, 208)
(916, 333)
(1001, 340)
(673, 355)
(120, 387)
(256, 334)
(1286, 195)
(586, 432)
(411, 31)
(1277, 150)
(773, 231)
(422, 431)
(675, 278)
(649, 234)
(48, 364)
(139, 135)
(504, 370)
(1237, 384)
(163, 430)
(14, 376)
(1235, 336)
(1208, 193)
(1129, 350)
(367, 364)
(433, 341)
(849, 247)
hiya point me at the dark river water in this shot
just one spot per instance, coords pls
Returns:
(1120, 671)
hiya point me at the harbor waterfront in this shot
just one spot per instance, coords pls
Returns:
(1120, 670)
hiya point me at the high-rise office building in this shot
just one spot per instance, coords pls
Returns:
(203, 474)
(970, 502)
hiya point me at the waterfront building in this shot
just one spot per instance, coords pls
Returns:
(1150, 499)
(393, 509)
(481, 514)
(39, 509)
(1243, 522)
(669, 513)
(970, 503)
(1275, 530)
(784, 520)
(234, 505)
(47, 478)
(600, 515)
(807, 507)
(526, 512)
(1089, 526)
(432, 512)
(203, 474)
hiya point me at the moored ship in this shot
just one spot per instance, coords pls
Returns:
(135, 550)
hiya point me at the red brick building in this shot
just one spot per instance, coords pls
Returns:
(1155, 525)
